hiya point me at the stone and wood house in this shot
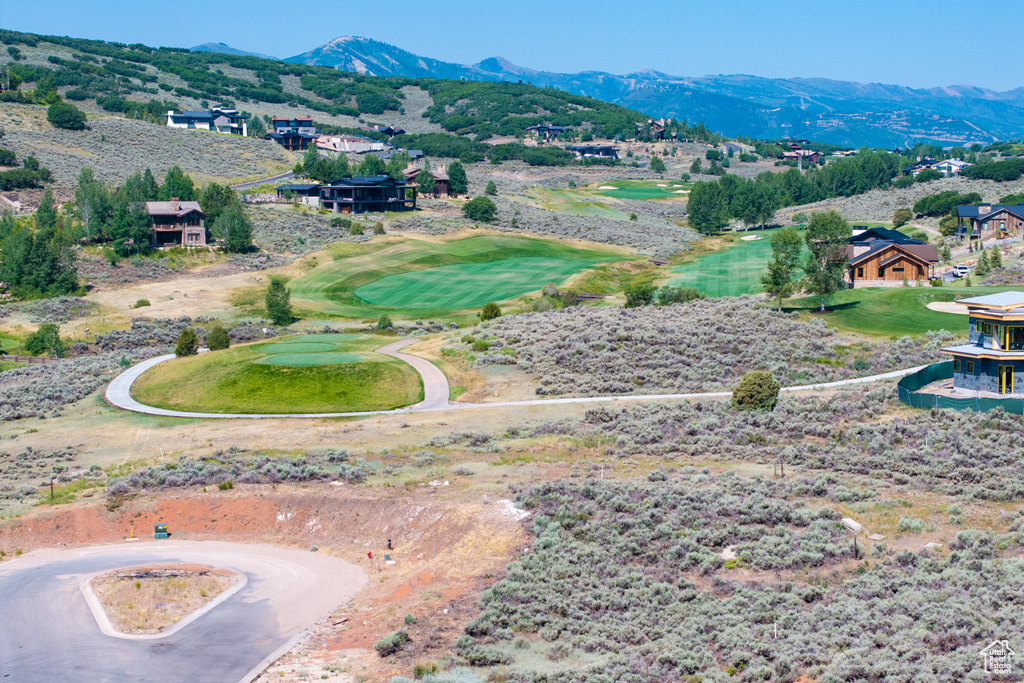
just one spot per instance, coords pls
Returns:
(177, 224)
(882, 257)
(368, 194)
(989, 221)
(994, 354)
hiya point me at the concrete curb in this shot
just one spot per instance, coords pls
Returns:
(103, 621)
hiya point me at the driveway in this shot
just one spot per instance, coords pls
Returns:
(263, 181)
(47, 632)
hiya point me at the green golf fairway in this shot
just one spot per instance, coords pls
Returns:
(732, 272)
(468, 285)
(893, 311)
(417, 278)
(334, 373)
(642, 189)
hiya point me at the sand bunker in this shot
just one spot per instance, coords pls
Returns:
(750, 238)
(681, 192)
(607, 187)
(948, 307)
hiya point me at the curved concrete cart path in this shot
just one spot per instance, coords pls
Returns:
(435, 392)
(48, 632)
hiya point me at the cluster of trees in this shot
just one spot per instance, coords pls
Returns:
(713, 204)
(120, 217)
(944, 203)
(65, 115)
(823, 265)
(1000, 171)
(751, 200)
(480, 209)
(646, 294)
(29, 176)
(37, 258)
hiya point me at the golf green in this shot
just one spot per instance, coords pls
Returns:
(313, 373)
(468, 285)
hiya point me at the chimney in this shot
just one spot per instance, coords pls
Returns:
(984, 208)
(174, 204)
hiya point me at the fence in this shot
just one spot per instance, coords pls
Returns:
(26, 359)
(909, 386)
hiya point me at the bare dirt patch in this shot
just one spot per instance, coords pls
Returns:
(151, 599)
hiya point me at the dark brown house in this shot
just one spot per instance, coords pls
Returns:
(177, 223)
(368, 194)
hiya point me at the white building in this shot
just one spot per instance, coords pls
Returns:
(217, 119)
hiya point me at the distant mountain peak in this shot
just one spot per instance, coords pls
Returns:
(225, 49)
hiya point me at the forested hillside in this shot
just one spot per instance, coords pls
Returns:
(144, 82)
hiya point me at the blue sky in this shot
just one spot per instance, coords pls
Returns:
(906, 42)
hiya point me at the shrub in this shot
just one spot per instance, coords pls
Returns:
(409, 620)
(901, 217)
(226, 485)
(903, 182)
(141, 303)
(218, 339)
(491, 188)
(378, 229)
(384, 322)
(481, 345)
(927, 176)
(640, 295)
(188, 343)
(490, 311)
(355, 229)
(910, 524)
(386, 647)
(657, 165)
(480, 209)
(758, 390)
(66, 115)
(46, 339)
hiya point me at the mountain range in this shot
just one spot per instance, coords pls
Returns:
(224, 49)
(838, 112)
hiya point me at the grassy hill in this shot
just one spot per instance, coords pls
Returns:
(144, 82)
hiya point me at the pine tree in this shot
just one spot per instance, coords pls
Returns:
(234, 228)
(996, 260)
(188, 343)
(218, 339)
(279, 305)
(46, 214)
(458, 183)
(177, 184)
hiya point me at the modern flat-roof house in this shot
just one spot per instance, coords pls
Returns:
(293, 134)
(880, 257)
(1002, 220)
(995, 351)
(217, 119)
(305, 193)
(177, 224)
(738, 148)
(368, 194)
(596, 151)
(546, 131)
(350, 144)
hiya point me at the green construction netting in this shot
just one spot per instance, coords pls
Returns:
(908, 389)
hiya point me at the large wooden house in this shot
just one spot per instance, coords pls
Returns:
(177, 224)
(367, 194)
(880, 257)
(994, 354)
(985, 220)
(441, 180)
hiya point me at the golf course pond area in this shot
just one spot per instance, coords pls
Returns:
(309, 373)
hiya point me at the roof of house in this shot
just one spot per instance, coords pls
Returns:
(885, 234)
(366, 181)
(172, 208)
(920, 251)
(1002, 300)
(974, 211)
(298, 187)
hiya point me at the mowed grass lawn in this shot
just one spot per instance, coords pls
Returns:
(641, 189)
(318, 373)
(421, 278)
(893, 311)
(734, 271)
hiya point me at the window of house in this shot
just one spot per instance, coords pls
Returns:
(956, 365)
(881, 273)
(985, 328)
(860, 272)
(970, 367)
(897, 270)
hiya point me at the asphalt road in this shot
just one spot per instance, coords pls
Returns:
(47, 632)
(263, 181)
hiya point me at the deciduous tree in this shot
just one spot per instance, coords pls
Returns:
(279, 302)
(824, 265)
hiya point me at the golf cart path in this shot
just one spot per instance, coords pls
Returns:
(435, 392)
